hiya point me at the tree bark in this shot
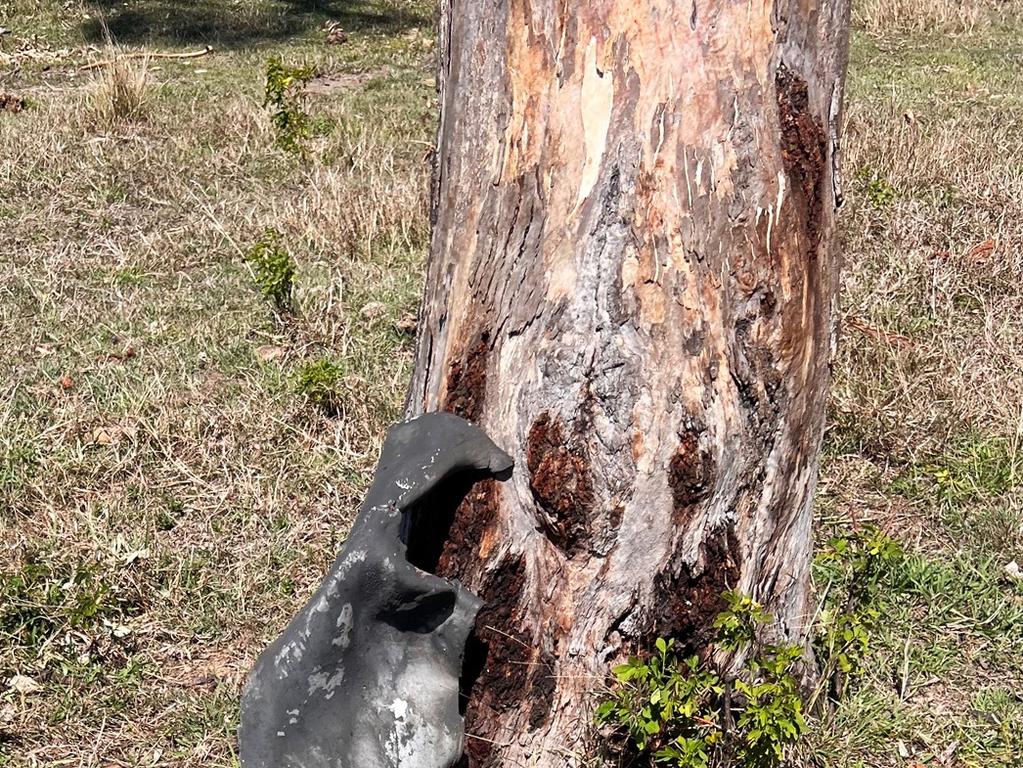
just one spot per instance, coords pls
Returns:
(632, 289)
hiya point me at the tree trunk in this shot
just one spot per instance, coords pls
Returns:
(632, 289)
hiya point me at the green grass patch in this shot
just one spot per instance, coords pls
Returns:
(973, 468)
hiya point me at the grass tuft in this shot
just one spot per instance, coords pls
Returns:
(121, 91)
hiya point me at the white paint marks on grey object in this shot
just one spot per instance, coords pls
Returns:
(366, 674)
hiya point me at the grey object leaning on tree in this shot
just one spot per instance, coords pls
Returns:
(367, 674)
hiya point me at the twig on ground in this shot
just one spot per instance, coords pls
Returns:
(892, 338)
(144, 55)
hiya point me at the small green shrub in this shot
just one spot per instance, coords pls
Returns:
(674, 709)
(273, 269)
(771, 719)
(282, 97)
(737, 626)
(879, 192)
(665, 704)
(855, 571)
(322, 383)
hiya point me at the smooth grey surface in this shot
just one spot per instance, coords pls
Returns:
(366, 675)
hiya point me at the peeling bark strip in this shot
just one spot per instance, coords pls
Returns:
(631, 284)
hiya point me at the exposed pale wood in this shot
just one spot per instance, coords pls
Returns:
(632, 289)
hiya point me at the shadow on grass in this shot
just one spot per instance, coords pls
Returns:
(239, 23)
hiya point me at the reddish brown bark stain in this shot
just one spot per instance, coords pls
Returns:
(503, 670)
(559, 477)
(691, 475)
(803, 147)
(804, 156)
(472, 518)
(685, 605)
(467, 380)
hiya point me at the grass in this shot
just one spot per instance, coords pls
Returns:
(165, 493)
(120, 92)
(885, 17)
(173, 481)
(925, 423)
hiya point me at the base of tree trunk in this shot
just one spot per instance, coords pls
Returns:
(631, 288)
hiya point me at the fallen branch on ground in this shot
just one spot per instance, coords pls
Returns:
(896, 339)
(143, 55)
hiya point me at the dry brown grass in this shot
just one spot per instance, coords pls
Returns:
(166, 496)
(926, 434)
(937, 273)
(121, 90)
(887, 17)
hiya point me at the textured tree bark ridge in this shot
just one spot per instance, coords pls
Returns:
(632, 286)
